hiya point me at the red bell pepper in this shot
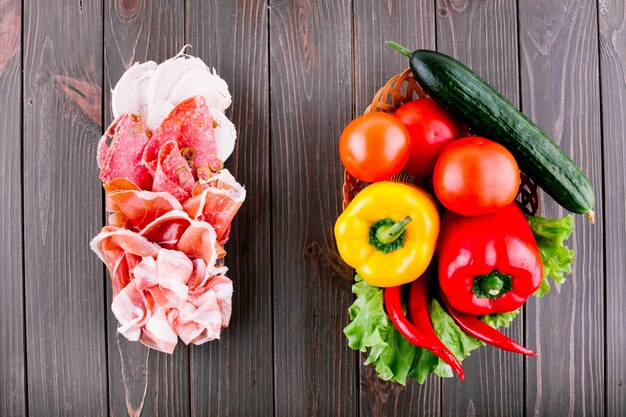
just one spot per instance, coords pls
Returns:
(489, 263)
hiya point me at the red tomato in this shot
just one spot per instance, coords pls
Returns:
(475, 176)
(431, 130)
(374, 147)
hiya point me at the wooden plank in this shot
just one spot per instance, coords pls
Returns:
(411, 24)
(612, 21)
(560, 91)
(62, 201)
(483, 35)
(310, 83)
(12, 389)
(141, 379)
(234, 376)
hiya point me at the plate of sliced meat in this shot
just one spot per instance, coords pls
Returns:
(170, 203)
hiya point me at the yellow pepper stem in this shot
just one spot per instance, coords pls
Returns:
(388, 234)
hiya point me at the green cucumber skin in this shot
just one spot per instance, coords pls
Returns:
(467, 96)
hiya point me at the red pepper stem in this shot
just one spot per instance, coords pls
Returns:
(393, 305)
(491, 285)
(482, 331)
(389, 234)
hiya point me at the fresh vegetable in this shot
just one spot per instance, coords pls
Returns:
(431, 130)
(374, 147)
(388, 233)
(476, 176)
(370, 330)
(489, 263)
(424, 336)
(467, 96)
(481, 331)
(557, 258)
(419, 317)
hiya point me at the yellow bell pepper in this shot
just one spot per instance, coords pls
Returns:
(388, 233)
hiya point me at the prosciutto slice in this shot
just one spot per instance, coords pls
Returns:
(216, 201)
(190, 125)
(122, 157)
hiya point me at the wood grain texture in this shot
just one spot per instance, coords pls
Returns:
(560, 91)
(411, 24)
(66, 350)
(612, 41)
(310, 84)
(483, 35)
(234, 377)
(12, 368)
(140, 379)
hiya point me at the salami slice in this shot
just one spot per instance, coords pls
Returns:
(122, 157)
(189, 124)
(173, 175)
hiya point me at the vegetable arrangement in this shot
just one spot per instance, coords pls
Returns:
(441, 266)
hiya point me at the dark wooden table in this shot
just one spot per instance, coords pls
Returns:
(298, 71)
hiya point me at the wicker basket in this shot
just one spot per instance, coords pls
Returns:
(401, 89)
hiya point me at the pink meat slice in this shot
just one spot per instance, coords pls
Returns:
(121, 249)
(140, 208)
(189, 124)
(172, 173)
(122, 158)
(216, 201)
(158, 334)
(132, 310)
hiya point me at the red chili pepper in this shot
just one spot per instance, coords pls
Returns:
(418, 337)
(418, 313)
(482, 331)
(489, 263)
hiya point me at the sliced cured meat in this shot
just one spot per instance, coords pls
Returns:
(174, 269)
(172, 174)
(120, 249)
(122, 157)
(199, 241)
(189, 124)
(132, 310)
(217, 202)
(167, 229)
(140, 208)
(158, 334)
(198, 324)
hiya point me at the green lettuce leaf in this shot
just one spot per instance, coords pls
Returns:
(557, 258)
(394, 358)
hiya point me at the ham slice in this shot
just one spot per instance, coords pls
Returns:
(120, 250)
(140, 208)
(190, 125)
(216, 201)
(122, 157)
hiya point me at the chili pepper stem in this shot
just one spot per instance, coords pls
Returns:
(399, 48)
(389, 234)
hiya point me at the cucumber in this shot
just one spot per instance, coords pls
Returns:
(473, 101)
